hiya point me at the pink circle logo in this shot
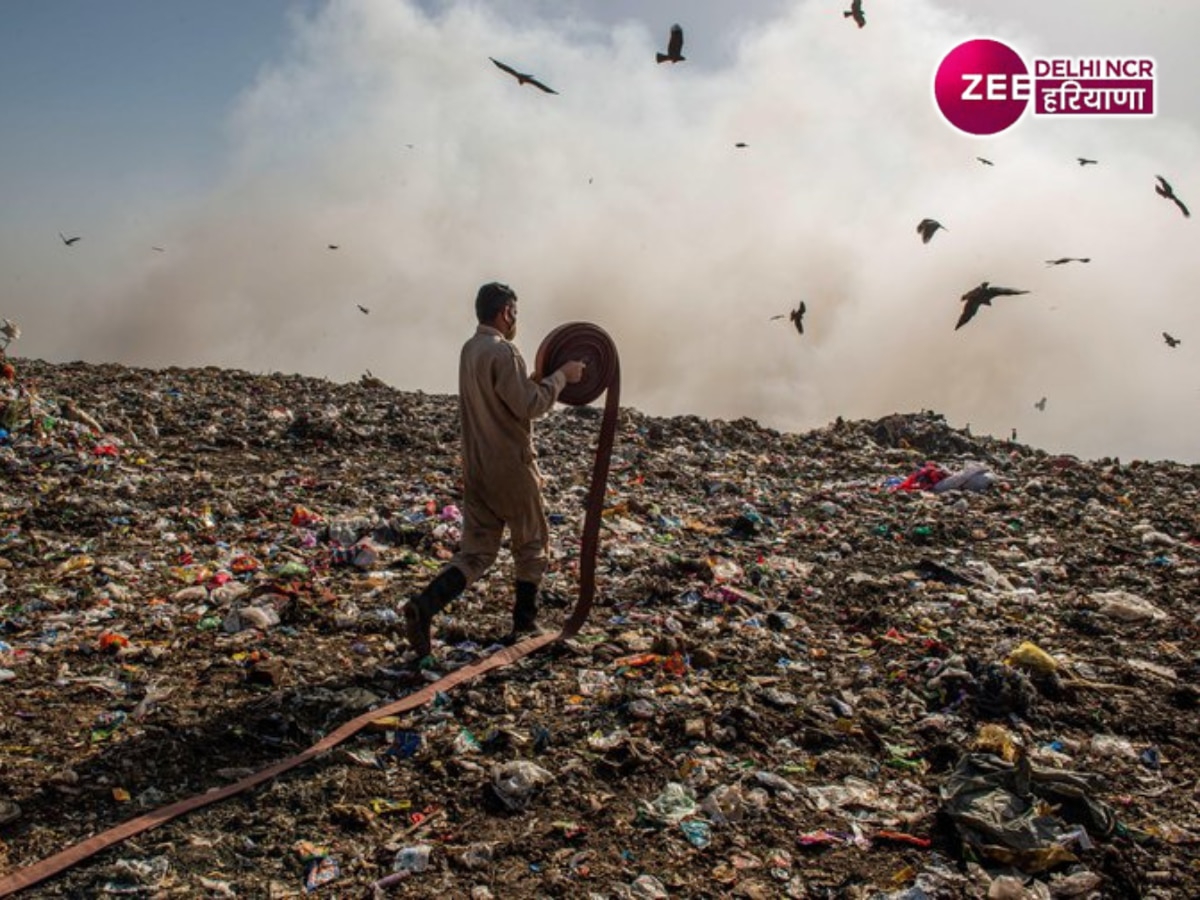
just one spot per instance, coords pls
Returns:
(982, 86)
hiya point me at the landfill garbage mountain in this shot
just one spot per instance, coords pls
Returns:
(809, 672)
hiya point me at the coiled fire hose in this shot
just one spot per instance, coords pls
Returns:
(573, 341)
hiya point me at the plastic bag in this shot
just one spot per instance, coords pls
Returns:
(516, 782)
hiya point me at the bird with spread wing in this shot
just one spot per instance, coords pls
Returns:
(1164, 189)
(927, 227)
(983, 295)
(855, 12)
(796, 316)
(674, 52)
(522, 78)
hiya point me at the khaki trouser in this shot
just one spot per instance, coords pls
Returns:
(517, 503)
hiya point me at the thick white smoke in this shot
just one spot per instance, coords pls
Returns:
(624, 201)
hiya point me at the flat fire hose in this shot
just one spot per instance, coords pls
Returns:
(573, 341)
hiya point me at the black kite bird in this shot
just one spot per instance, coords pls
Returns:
(1041, 405)
(927, 227)
(1163, 189)
(362, 309)
(1063, 260)
(674, 52)
(797, 317)
(68, 240)
(1171, 341)
(986, 162)
(855, 12)
(1083, 161)
(982, 296)
(522, 78)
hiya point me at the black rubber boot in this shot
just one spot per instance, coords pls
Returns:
(525, 610)
(420, 610)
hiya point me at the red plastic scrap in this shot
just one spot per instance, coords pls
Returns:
(301, 517)
(900, 837)
(110, 640)
(242, 564)
(923, 479)
(674, 664)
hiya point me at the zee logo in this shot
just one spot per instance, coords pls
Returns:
(982, 86)
(998, 87)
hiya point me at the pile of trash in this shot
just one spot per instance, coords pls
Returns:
(876, 660)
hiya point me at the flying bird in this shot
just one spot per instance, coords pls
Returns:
(522, 78)
(1163, 189)
(362, 309)
(740, 144)
(1171, 341)
(332, 246)
(68, 240)
(158, 249)
(982, 296)
(986, 162)
(796, 316)
(674, 52)
(1063, 260)
(1041, 405)
(855, 12)
(927, 227)
(1083, 161)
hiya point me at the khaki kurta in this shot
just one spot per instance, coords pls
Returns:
(501, 484)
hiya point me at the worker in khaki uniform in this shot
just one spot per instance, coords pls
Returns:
(498, 402)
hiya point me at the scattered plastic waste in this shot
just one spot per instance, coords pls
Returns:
(788, 658)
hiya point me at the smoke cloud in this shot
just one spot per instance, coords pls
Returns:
(624, 201)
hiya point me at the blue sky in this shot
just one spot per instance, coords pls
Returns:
(101, 93)
(244, 137)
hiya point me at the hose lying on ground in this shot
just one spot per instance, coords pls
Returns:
(576, 340)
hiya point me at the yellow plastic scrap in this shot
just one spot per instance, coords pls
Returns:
(73, 565)
(1031, 656)
(998, 740)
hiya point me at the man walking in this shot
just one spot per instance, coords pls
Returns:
(498, 402)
